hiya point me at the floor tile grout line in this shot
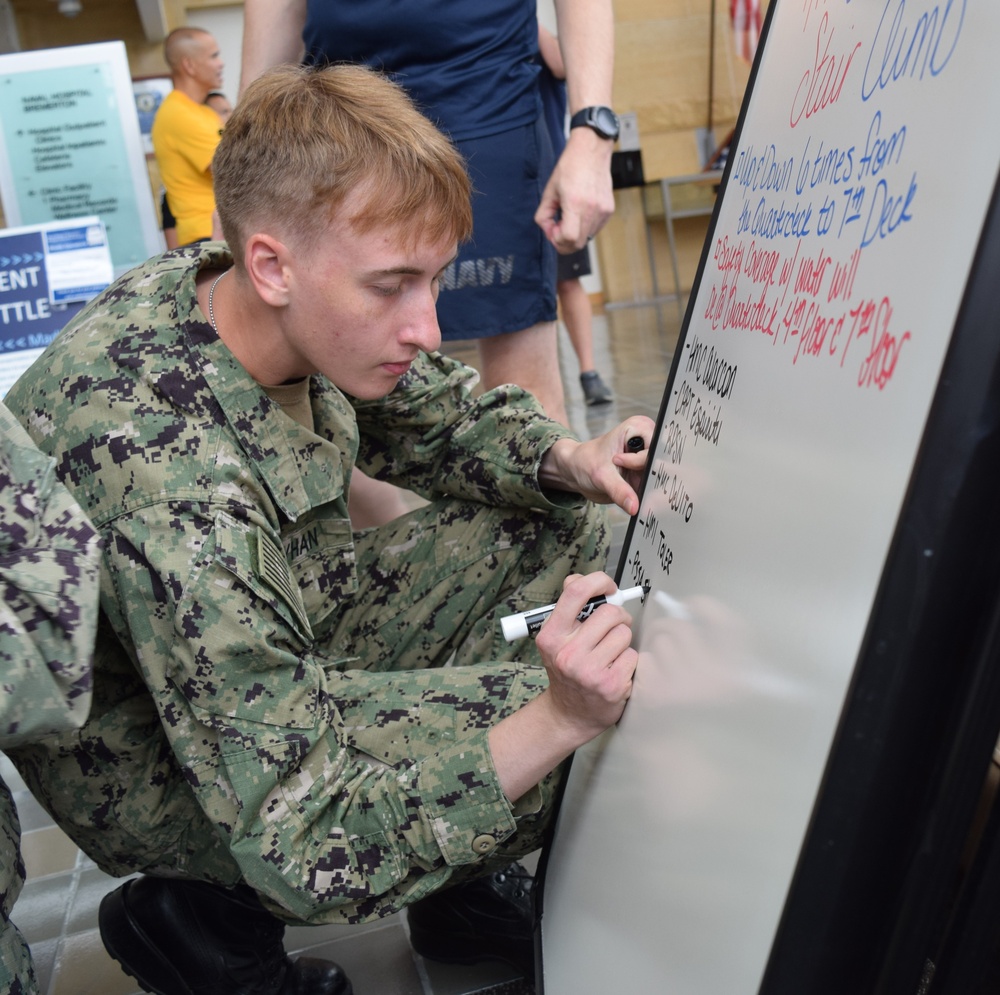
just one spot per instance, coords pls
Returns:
(425, 981)
(67, 916)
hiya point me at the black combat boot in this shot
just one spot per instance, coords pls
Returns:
(487, 918)
(193, 938)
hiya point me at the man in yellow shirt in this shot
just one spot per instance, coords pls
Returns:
(186, 131)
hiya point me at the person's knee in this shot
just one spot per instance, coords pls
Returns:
(581, 537)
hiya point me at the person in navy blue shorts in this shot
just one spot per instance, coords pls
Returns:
(472, 67)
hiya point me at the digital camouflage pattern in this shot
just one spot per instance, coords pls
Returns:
(271, 701)
(48, 615)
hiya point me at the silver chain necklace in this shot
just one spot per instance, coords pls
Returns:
(211, 295)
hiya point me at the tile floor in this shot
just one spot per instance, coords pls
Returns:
(57, 911)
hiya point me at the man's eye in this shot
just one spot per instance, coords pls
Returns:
(387, 291)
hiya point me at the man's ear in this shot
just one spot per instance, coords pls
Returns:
(267, 259)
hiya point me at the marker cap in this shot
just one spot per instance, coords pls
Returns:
(514, 627)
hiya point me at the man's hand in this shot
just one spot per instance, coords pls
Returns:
(590, 666)
(604, 469)
(578, 198)
(590, 663)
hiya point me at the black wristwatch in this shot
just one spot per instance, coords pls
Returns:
(603, 120)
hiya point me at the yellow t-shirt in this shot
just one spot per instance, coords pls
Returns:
(184, 138)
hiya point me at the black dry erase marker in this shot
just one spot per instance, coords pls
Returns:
(635, 444)
(528, 623)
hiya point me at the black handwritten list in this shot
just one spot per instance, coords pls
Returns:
(696, 414)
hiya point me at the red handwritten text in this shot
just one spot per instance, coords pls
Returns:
(821, 86)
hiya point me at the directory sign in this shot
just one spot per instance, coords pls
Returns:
(70, 146)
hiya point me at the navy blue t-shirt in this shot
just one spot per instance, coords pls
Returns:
(469, 64)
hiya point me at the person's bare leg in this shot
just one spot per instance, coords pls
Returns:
(530, 359)
(578, 317)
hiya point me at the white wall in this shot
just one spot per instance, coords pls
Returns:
(226, 23)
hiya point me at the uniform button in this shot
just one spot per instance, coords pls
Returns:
(484, 844)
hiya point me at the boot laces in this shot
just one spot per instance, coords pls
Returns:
(516, 879)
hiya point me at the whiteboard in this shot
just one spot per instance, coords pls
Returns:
(865, 158)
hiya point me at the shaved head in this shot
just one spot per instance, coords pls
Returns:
(182, 43)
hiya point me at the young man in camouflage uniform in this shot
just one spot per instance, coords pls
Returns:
(49, 556)
(273, 718)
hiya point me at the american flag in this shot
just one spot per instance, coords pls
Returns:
(746, 19)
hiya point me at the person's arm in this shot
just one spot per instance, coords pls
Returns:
(272, 35)
(578, 198)
(604, 469)
(548, 48)
(49, 554)
(590, 666)
(431, 436)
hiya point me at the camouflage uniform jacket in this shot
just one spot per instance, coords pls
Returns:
(48, 595)
(228, 553)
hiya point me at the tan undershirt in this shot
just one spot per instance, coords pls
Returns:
(294, 401)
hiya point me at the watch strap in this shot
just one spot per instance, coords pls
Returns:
(600, 119)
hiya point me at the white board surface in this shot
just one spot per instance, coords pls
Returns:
(831, 282)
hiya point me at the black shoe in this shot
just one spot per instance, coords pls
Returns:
(595, 390)
(488, 918)
(193, 938)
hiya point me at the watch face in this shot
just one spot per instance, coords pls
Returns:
(606, 121)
